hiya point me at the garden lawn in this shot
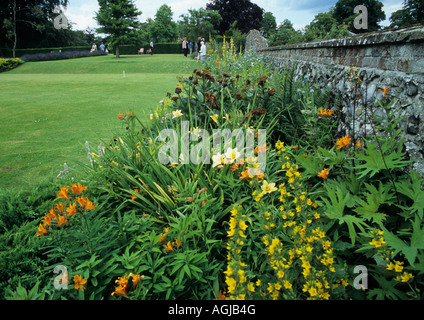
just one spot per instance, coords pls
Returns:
(50, 109)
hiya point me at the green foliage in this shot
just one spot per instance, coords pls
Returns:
(9, 64)
(198, 23)
(189, 230)
(163, 29)
(344, 13)
(118, 18)
(411, 13)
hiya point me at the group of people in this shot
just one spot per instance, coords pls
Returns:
(102, 47)
(188, 46)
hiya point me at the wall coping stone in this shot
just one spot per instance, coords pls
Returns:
(413, 33)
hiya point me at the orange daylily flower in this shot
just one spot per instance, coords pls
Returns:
(72, 209)
(85, 203)
(178, 243)
(135, 279)
(384, 92)
(120, 290)
(168, 246)
(47, 220)
(234, 167)
(162, 238)
(63, 193)
(60, 206)
(52, 213)
(343, 142)
(79, 282)
(244, 175)
(121, 116)
(324, 173)
(122, 281)
(77, 188)
(358, 144)
(41, 230)
(134, 197)
(89, 205)
(325, 112)
(221, 295)
(60, 220)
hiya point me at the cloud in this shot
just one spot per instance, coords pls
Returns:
(82, 13)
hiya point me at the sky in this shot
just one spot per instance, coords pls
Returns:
(299, 12)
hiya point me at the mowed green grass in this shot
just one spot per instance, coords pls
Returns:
(50, 109)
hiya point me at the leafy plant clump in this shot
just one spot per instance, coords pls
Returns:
(211, 223)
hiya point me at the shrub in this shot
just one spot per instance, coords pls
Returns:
(61, 55)
(9, 64)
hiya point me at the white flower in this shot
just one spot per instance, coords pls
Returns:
(232, 155)
(177, 114)
(151, 116)
(218, 160)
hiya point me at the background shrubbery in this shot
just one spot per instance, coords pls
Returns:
(9, 64)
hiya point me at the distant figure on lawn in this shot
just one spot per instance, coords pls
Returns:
(151, 47)
(202, 52)
(93, 47)
(102, 47)
(185, 47)
(191, 47)
(199, 45)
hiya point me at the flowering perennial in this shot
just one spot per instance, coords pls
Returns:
(58, 215)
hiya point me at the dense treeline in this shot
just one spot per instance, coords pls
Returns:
(30, 23)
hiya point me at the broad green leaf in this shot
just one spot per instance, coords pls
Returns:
(409, 251)
(376, 160)
(412, 189)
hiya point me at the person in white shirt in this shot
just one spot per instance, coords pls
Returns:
(202, 52)
(185, 47)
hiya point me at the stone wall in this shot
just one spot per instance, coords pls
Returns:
(392, 58)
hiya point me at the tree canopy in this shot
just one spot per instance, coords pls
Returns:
(199, 23)
(411, 13)
(247, 14)
(344, 14)
(118, 18)
(163, 28)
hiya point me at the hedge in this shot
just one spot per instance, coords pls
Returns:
(5, 52)
(172, 47)
(9, 64)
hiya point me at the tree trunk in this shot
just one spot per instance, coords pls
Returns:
(117, 51)
(15, 34)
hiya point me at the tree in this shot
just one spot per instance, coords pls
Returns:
(25, 23)
(344, 14)
(324, 26)
(163, 29)
(268, 24)
(286, 34)
(411, 13)
(118, 18)
(199, 23)
(247, 14)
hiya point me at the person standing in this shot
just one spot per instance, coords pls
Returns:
(102, 47)
(151, 47)
(199, 45)
(185, 47)
(190, 46)
(202, 52)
